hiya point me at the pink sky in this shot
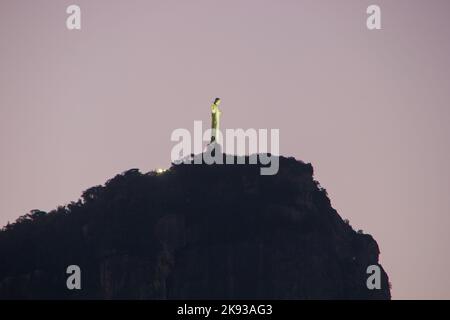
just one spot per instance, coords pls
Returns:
(369, 109)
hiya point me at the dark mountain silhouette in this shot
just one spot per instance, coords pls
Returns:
(195, 231)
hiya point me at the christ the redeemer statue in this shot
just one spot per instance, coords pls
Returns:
(215, 120)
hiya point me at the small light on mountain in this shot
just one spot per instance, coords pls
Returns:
(160, 170)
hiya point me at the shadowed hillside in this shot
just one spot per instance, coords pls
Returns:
(195, 231)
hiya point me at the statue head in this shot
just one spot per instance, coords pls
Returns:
(217, 101)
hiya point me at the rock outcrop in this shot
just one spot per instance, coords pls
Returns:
(194, 231)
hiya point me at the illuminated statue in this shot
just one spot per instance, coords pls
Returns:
(215, 120)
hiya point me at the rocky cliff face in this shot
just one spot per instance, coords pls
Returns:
(195, 231)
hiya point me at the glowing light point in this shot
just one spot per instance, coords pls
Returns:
(160, 171)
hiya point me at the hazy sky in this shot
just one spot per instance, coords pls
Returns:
(369, 109)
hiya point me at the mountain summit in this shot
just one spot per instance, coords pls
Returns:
(193, 231)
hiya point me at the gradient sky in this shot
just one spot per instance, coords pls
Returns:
(369, 109)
